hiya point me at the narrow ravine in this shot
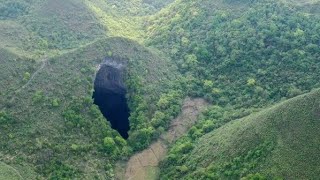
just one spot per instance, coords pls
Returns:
(144, 165)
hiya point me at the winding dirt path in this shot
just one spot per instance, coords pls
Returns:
(44, 63)
(17, 173)
(144, 165)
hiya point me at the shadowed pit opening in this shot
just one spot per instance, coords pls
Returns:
(110, 95)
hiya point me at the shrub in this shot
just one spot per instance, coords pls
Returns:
(109, 145)
(251, 82)
(5, 118)
(38, 96)
(256, 176)
(26, 76)
(55, 102)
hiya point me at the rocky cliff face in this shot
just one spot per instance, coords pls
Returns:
(109, 78)
(110, 95)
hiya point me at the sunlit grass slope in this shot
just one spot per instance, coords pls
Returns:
(35, 27)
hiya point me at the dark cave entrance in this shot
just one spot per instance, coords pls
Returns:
(110, 95)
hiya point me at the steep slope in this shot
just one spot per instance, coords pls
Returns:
(242, 56)
(15, 71)
(240, 53)
(132, 8)
(282, 141)
(36, 27)
(49, 56)
(8, 172)
(125, 18)
(145, 164)
(50, 127)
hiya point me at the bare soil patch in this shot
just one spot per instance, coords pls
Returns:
(144, 165)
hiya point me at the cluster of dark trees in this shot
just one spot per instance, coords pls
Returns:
(13, 9)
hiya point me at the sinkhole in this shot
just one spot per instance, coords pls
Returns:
(110, 95)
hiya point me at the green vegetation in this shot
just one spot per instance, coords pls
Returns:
(241, 56)
(51, 125)
(254, 53)
(33, 28)
(8, 172)
(279, 142)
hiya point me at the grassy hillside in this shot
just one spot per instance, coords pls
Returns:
(132, 8)
(15, 71)
(278, 142)
(50, 127)
(49, 56)
(36, 27)
(8, 172)
(125, 18)
(240, 55)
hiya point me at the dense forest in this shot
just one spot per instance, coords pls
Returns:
(240, 57)
(254, 62)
